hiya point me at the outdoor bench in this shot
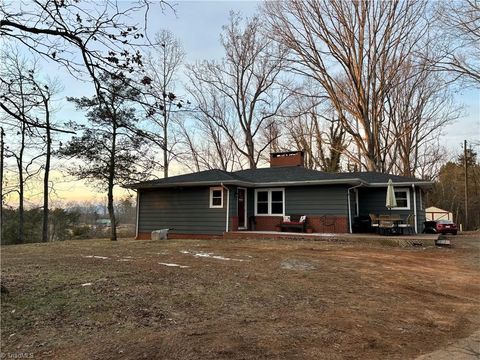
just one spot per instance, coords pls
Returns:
(296, 222)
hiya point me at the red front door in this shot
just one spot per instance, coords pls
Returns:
(241, 207)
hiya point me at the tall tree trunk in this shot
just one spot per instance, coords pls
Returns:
(21, 210)
(2, 134)
(45, 235)
(111, 183)
(250, 149)
(165, 141)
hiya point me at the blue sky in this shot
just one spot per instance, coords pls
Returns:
(198, 24)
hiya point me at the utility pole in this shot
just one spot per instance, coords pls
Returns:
(466, 182)
(2, 134)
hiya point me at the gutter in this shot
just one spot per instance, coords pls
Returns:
(228, 207)
(426, 184)
(415, 208)
(254, 184)
(349, 206)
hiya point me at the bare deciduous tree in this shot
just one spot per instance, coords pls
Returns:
(15, 79)
(84, 37)
(31, 99)
(418, 111)
(241, 95)
(162, 66)
(353, 50)
(207, 147)
(316, 130)
(458, 40)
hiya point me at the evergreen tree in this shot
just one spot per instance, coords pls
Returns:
(112, 149)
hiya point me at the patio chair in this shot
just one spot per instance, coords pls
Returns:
(409, 226)
(374, 221)
(386, 227)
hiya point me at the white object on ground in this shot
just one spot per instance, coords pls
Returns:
(211, 255)
(87, 284)
(96, 257)
(175, 265)
(161, 234)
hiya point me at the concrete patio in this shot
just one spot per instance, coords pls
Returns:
(367, 238)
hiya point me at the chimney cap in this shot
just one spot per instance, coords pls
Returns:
(287, 153)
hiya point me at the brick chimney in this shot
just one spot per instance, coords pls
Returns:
(289, 158)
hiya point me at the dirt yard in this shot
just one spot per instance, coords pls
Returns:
(232, 299)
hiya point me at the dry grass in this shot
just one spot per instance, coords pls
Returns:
(286, 299)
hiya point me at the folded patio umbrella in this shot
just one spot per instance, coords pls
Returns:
(391, 200)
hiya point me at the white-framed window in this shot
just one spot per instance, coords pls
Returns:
(402, 195)
(216, 197)
(270, 202)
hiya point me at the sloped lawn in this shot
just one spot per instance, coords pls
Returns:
(192, 299)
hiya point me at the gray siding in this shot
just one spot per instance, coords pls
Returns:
(316, 200)
(372, 201)
(186, 210)
(233, 201)
(421, 210)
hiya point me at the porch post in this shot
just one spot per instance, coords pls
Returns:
(349, 212)
(415, 208)
(228, 209)
(137, 213)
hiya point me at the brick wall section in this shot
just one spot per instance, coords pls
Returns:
(328, 224)
(267, 223)
(234, 223)
(320, 224)
(286, 159)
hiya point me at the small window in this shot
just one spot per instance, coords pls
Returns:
(216, 197)
(269, 201)
(403, 199)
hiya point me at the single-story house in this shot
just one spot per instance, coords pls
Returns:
(209, 203)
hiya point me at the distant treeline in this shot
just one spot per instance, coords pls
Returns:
(73, 222)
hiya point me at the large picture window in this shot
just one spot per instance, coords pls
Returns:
(403, 199)
(216, 197)
(269, 202)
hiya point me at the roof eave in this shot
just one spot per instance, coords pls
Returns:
(187, 184)
(313, 182)
(422, 184)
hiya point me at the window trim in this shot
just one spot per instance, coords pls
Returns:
(269, 191)
(212, 189)
(407, 190)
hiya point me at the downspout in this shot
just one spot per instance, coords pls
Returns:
(415, 208)
(228, 207)
(349, 206)
(138, 212)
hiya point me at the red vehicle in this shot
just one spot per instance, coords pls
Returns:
(446, 227)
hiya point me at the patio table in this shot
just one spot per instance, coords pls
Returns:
(389, 224)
